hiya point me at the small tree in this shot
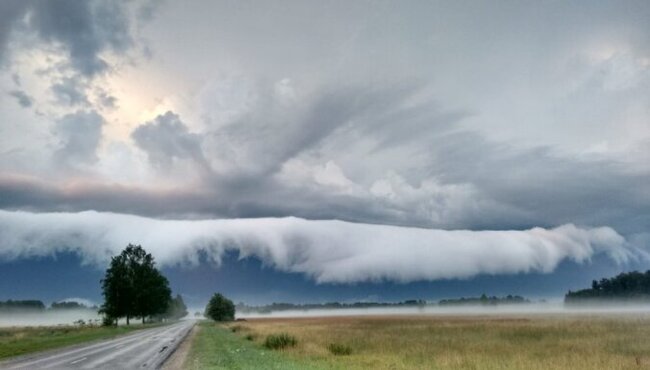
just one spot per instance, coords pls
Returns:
(220, 308)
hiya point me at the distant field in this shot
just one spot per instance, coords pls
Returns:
(429, 342)
(20, 341)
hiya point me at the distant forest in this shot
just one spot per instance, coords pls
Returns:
(485, 300)
(36, 305)
(482, 300)
(628, 286)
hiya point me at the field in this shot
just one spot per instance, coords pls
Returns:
(20, 341)
(431, 342)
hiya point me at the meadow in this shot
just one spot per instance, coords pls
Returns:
(435, 342)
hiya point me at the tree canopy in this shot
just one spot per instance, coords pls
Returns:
(630, 286)
(133, 287)
(220, 308)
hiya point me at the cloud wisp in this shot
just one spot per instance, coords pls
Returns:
(327, 251)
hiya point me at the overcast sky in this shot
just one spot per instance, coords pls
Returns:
(449, 139)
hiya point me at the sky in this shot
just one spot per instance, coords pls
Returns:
(316, 151)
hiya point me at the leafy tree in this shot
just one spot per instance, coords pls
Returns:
(133, 287)
(220, 308)
(176, 308)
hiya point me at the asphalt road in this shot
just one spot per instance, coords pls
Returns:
(144, 349)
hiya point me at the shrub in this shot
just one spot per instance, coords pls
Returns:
(108, 321)
(236, 328)
(280, 341)
(339, 349)
(250, 337)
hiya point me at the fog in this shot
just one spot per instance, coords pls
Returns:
(550, 308)
(48, 318)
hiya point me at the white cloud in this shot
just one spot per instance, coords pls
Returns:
(327, 251)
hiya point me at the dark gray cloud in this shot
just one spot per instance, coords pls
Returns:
(23, 99)
(84, 28)
(166, 139)
(70, 91)
(79, 135)
(106, 100)
(10, 13)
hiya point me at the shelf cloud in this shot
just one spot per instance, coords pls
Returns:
(328, 251)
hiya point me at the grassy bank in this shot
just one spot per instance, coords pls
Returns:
(421, 342)
(217, 347)
(20, 341)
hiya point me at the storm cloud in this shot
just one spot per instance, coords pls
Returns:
(463, 122)
(326, 251)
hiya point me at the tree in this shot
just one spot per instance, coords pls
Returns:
(133, 287)
(176, 309)
(220, 308)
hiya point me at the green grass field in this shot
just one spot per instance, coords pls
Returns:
(20, 341)
(429, 342)
(216, 347)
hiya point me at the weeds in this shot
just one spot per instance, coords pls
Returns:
(280, 341)
(338, 349)
(236, 328)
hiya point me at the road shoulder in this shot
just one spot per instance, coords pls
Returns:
(179, 357)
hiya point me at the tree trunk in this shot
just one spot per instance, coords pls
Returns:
(127, 319)
(142, 320)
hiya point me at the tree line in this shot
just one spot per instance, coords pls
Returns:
(484, 300)
(627, 286)
(28, 305)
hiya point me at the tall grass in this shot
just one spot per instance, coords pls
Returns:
(419, 342)
(280, 341)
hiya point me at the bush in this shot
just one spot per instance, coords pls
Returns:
(108, 321)
(236, 328)
(280, 341)
(339, 349)
(250, 337)
(220, 308)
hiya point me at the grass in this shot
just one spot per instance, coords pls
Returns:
(20, 341)
(280, 341)
(435, 342)
(339, 349)
(218, 347)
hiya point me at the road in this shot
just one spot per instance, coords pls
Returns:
(144, 349)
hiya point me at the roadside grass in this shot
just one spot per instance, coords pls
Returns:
(217, 346)
(25, 340)
(467, 342)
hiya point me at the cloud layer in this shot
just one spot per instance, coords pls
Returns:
(327, 251)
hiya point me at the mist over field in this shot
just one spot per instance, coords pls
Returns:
(49, 318)
(550, 308)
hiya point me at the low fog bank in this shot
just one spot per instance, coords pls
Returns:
(621, 308)
(49, 318)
